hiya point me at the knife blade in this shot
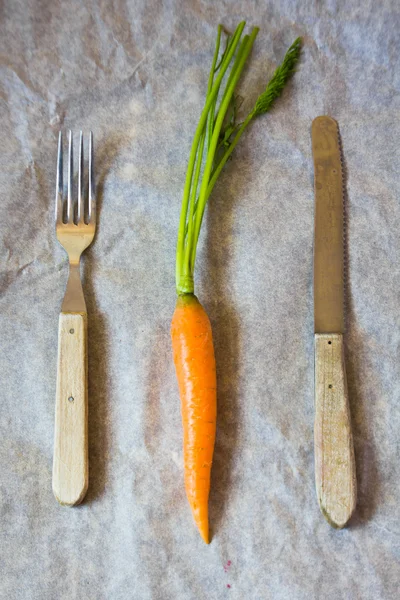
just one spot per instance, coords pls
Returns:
(335, 474)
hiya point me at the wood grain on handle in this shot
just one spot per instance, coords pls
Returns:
(335, 473)
(70, 466)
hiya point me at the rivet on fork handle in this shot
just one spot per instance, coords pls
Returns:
(70, 465)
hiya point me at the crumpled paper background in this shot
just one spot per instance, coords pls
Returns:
(136, 73)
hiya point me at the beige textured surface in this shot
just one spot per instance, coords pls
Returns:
(335, 473)
(70, 462)
(135, 72)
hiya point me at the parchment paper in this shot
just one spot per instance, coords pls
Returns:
(136, 74)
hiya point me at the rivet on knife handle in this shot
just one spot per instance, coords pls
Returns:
(335, 474)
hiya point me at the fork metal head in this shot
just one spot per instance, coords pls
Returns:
(75, 229)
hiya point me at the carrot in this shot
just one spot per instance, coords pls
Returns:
(195, 367)
(216, 136)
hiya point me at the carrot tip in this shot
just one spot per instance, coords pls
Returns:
(205, 537)
(204, 533)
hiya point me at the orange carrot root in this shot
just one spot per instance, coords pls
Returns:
(195, 369)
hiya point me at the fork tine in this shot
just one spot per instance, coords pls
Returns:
(92, 188)
(81, 197)
(59, 183)
(70, 212)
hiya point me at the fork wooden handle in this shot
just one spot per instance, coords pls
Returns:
(70, 466)
(335, 472)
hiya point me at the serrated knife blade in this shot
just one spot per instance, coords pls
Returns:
(335, 475)
(328, 242)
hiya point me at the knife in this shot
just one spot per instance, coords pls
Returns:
(335, 473)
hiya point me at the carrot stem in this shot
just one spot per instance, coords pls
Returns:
(222, 134)
(187, 273)
(187, 286)
(210, 122)
(238, 67)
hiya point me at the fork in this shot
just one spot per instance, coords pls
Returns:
(75, 231)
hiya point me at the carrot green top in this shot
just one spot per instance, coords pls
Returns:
(216, 136)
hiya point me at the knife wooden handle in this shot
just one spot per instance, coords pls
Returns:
(70, 465)
(335, 472)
